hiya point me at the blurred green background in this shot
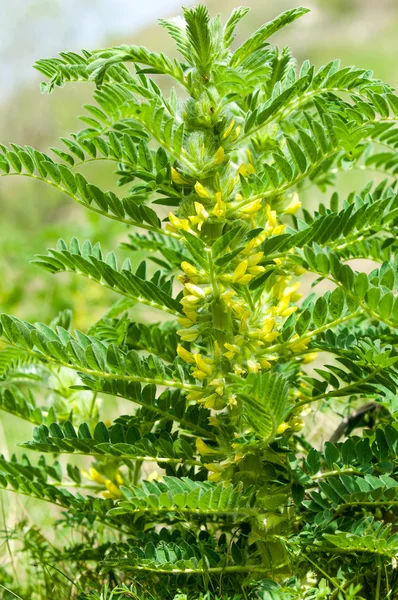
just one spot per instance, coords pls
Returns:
(33, 216)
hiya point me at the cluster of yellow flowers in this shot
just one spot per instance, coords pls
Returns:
(254, 327)
(111, 489)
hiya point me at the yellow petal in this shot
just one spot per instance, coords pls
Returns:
(220, 155)
(201, 191)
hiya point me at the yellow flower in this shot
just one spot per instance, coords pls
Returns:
(271, 218)
(112, 489)
(254, 259)
(195, 290)
(235, 134)
(220, 155)
(253, 366)
(265, 364)
(245, 279)
(293, 206)
(310, 357)
(251, 208)
(240, 271)
(282, 428)
(279, 229)
(268, 325)
(178, 223)
(270, 337)
(202, 364)
(232, 401)
(215, 477)
(214, 467)
(201, 191)
(254, 243)
(220, 208)
(232, 350)
(288, 311)
(185, 355)
(197, 396)
(95, 476)
(177, 178)
(201, 215)
(189, 269)
(246, 170)
(203, 448)
(188, 335)
(256, 270)
(228, 130)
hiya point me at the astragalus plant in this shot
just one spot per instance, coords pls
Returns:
(207, 485)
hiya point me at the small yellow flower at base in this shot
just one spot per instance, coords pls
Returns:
(119, 478)
(201, 215)
(253, 366)
(196, 396)
(198, 374)
(189, 269)
(220, 155)
(154, 476)
(268, 325)
(238, 370)
(113, 489)
(279, 229)
(265, 364)
(220, 208)
(195, 290)
(296, 424)
(256, 270)
(254, 243)
(232, 401)
(251, 208)
(245, 279)
(271, 336)
(232, 350)
(246, 170)
(271, 218)
(288, 311)
(188, 335)
(203, 448)
(215, 477)
(201, 191)
(214, 467)
(95, 476)
(293, 206)
(228, 130)
(202, 364)
(214, 402)
(185, 355)
(178, 223)
(299, 346)
(235, 134)
(310, 357)
(185, 322)
(254, 259)
(177, 178)
(282, 428)
(240, 271)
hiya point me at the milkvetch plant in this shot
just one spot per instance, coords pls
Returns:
(207, 486)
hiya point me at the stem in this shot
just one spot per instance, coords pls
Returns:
(378, 582)
(104, 375)
(320, 570)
